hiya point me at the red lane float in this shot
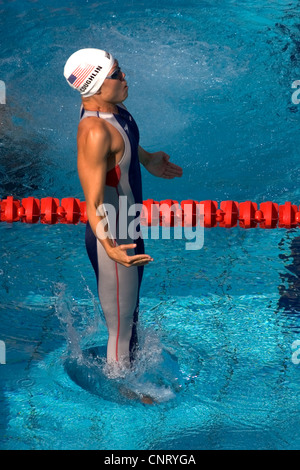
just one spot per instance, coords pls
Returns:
(169, 213)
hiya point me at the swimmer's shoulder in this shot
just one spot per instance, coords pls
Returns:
(92, 127)
(92, 123)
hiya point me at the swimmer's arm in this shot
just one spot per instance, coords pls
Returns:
(158, 164)
(92, 168)
(144, 156)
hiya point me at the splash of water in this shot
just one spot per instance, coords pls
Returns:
(63, 311)
(155, 372)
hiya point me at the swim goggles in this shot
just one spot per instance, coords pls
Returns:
(116, 75)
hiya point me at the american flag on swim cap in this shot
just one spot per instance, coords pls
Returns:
(80, 74)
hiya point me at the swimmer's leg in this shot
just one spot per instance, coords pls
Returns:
(118, 292)
(133, 345)
(118, 289)
(140, 249)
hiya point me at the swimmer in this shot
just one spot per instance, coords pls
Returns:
(109, 158)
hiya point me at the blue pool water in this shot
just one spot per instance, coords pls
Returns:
(211, 84)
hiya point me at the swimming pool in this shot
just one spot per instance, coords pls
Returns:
(211, 84)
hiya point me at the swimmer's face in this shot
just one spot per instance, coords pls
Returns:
(114, 88)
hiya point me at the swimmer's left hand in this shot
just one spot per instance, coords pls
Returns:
(159, 165)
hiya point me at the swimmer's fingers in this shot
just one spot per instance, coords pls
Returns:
(127, 247)
(139, 260)
(172, 171)
(136, 260)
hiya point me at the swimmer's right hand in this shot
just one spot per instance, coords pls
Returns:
(119, 254)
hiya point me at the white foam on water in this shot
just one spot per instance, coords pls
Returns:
(86, 364)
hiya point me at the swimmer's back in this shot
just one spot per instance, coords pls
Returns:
(99, 129)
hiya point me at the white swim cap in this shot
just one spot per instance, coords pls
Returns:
(86, 70)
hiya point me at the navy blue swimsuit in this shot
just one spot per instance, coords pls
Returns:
(119, 286)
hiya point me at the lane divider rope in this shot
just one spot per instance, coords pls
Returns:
(170, 213)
